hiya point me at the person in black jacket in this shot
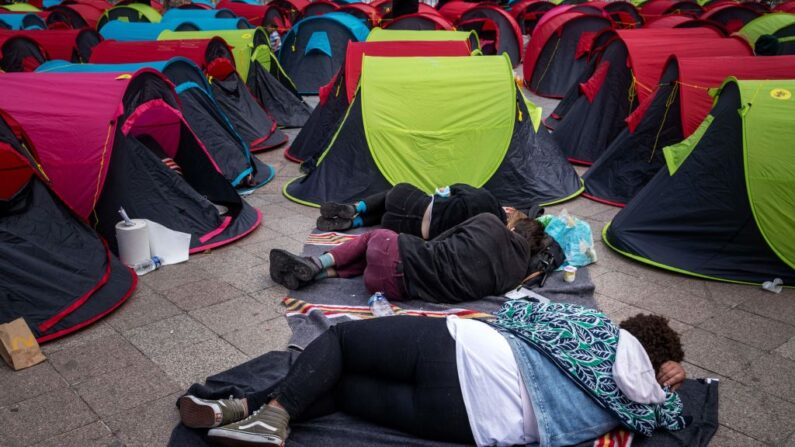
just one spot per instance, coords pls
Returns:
(477, 258)
(407, 209)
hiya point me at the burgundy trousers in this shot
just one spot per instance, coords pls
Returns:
(375, 255)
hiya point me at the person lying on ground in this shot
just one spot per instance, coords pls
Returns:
(477, 258)
(407, 209)
(554, 374)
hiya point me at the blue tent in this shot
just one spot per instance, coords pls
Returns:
(211, 125)
(184, 14)
(133, 31)
(314, 48)
(21, 21)
(209, 24)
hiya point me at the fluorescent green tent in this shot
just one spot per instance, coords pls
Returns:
(454, 120)
(385, 35)
(725, 208)
(766, 24)
(260, 70)
(20, 7)
(133, 12)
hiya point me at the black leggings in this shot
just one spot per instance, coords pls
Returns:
(400, 209)
(397, 371)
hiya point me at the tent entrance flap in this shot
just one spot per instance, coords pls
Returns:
(318, 41)
(768, 108)
(434, 133)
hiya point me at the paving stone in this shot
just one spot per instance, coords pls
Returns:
(625, 288)
(723, 293)
(96, 434)
(262, 233)
(755, 413)
(96, 358)
(272, 298)
(194, 363)
(43, 417)
(296, 224)
(787, 349)
(231, 259)
(126, 388)
(726, 437)
(250, 279)
(604, 217)
(715, 353)
(695, 372)
(257, 339)
(678, 304)
(169, 334)
(579, 207)
(27, 383)
(202, 294)
(83, 336)
(736, 324)
(149, 424)
(780, 307)
(232, 315)
(147, 306)
(263, 249)
(772, 373)
(176, 275)
(609, 306)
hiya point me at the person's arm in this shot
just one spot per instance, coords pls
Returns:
(671, 374)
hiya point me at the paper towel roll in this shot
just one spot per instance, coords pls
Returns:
(133, 242)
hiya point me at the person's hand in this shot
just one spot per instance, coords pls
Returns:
(671, 374)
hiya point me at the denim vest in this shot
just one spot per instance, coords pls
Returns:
(553, 396)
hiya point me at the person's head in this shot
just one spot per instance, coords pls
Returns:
(661, 343)
(512, 215)
(270, 27)
(530, 229)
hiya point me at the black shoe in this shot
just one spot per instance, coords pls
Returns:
(331, 210)
(333, 224)
(292, 271)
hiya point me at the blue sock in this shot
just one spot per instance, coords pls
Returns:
(357, 222)
(361, 207)
(326, 261)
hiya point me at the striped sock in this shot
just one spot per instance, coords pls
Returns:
(326, 261)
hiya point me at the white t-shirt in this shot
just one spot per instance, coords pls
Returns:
(499, 409)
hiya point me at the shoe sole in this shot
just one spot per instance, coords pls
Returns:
(237, 439)
(196, 414)
(335, 224)
(331, 210)
(289, 270)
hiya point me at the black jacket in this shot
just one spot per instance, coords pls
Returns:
(477, 258)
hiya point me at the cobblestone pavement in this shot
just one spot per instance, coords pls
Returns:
(116, 382)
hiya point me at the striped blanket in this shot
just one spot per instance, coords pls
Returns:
(298, 307)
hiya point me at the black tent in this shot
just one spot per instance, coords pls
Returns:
(58, 273)
(724, 208)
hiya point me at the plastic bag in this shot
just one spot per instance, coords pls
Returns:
(574, 236)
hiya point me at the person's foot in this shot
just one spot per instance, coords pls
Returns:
(266, 427)
(292, 271)
(331, 210)
(333, 223)
(208, 413)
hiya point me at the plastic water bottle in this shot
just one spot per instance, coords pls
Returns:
(142, 268)
(443, 191)
(379, 305)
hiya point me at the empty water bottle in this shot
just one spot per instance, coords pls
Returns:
(152, 264)
(379, 305)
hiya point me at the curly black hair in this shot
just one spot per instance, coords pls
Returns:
(532, 231)
(658, 339)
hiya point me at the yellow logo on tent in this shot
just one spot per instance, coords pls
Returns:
(780, 93)
(123, 76)
(247, 36)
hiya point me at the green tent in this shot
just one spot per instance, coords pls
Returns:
(260, 71)
(20, 7)
(454, 120)
(725, 207)
(771, 23)
(133, 12)
(386, 35)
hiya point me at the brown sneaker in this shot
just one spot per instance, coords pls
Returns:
(266, 427)
(207, 413)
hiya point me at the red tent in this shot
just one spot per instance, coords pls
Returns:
(528, 12)
(453, 10)
(362, 11)
(102, 140)
(318, 8)
(199, 51)
(786, 7)
(78, 13)
(732, 17)
(680, 21)
(419, 21)
(553, 59)
(384, 7)
(70, 45)
(657, 8)
(20, 53)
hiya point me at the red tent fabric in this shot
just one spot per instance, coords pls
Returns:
(697, 74)
(88, 12)
(363, 9)
(517, 32)
(59, 44)
(730, 16)
(647, 54)
(116, 52)
(786, 7)
(657, 8)
(253, 13)
(322, 5)
(453, 11)
(357, 50)
(440, 22)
